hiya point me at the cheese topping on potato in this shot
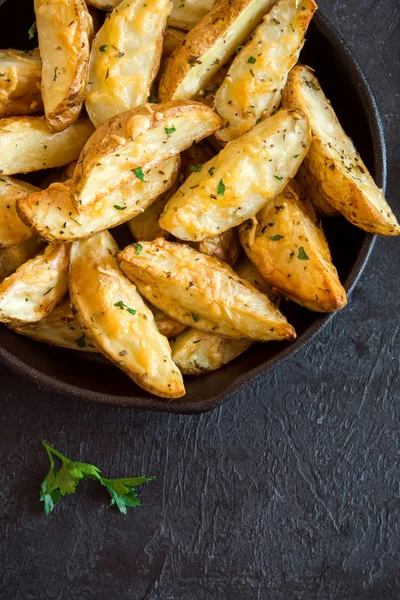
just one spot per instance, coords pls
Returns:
(20, 77)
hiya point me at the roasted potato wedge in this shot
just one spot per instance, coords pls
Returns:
(59, 328)
(20, 77)
(12, 230)
(291, 252)
(144, 226)
(125, 58)
(197, 352)
(311, 189)
(186, 13)
(225, 246)
(27, 144)
(114, 316)
(254, 84)
(15, 256)
(51, 214)
(104, 4)
(173, 37)
(193, 159)
(36, 287)
(207, 93)
(166, 326)
(135, 141)
(64, 29)
(234, 185)
(208, 46)
(200, 291)
(334, 162)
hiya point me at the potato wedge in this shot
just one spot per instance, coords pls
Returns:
(20, 77)
(51, 214)
(207, 93)
(15, 256)
(115, 317)
(254, 84)
(135, 141)
(104, 4)
(193, 159)
(36, 287)
(333, 160)
(200, 291)
(208, 46)
(291, 252)
(144, 226)
(224, 246)
(125, 58)
(234, 185)
(197, 352)
(165, 324)
(12, 230)
(173, 37)
(27, 144)
(186, 13)
(313, 193)
(65, 29)
(59, 328)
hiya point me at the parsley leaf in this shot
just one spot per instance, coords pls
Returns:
(81, 341)
(119, 207)
(169, 130)
(196, 168)
(57, 483)
(221, 188)
(296, 156)
(251, 60)
(3, 180)
(139, 173)
(278, 178)
(123, 306)
(258, 120)
(139, 248)
(103, 48)
(211, 171)
(195, 317)
(275, 238)
(238, 48)
(32, 30)
(131, 310)
(302, 255)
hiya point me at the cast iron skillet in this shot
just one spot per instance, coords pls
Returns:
(92, 378)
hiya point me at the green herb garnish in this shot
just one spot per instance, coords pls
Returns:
(123, 306)
(221, 188)
(211, 171)
(169, 130)
(57, 483)
(302, 255)
(275, 238)
(278, 178)
(195, 317)
(103, 48)
(81, 341)
(258, 120)
(139, 248)
(196, 168)
(119, 207)
(251, 60)
(139, 173)
(296, 156)
(32, 30)
(238, 48)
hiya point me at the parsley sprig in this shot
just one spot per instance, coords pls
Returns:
(57, 483)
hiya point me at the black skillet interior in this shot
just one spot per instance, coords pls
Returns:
(92, 378)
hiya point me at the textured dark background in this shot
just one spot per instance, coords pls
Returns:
(288, 491)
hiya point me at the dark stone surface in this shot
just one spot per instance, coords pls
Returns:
(288, 491)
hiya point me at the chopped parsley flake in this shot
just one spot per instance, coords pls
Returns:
(221, 188)
(103, 48)
(195, 317)
(296, 156)
(302, 255)
(275, 238)
(278, 178)
(119, 207)
(3, 180)
(131, 310)
(238, 48)
(258, 120)
(123, 306)
(139, 173)
(32, 30)
(196, 168)
(139, 248)
(81, 341)
(169, 130)
(251, 60)
(211, 171)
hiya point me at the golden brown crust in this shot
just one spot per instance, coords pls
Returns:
(312, 190)
(124, 132)
(12, 258)
(21, 74)
(289, 249)
(12, 230)
(217, 34)
(335, 165)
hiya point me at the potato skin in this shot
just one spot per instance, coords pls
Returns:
(125, 58)
(99, 170)
(114, 316)
(186, 13)
(12, 230)
(15, 256)
(36, 287)
(60, 328)
(166, 326)
(65, 29)
(234, 185)
(253, 86)
(208, 46)
(51, 215)
(311, 189)
(20, 83)
(202, 292)
(291, 252)
(27, 144)
(225, 247)
(172, 38)
(333, 161)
